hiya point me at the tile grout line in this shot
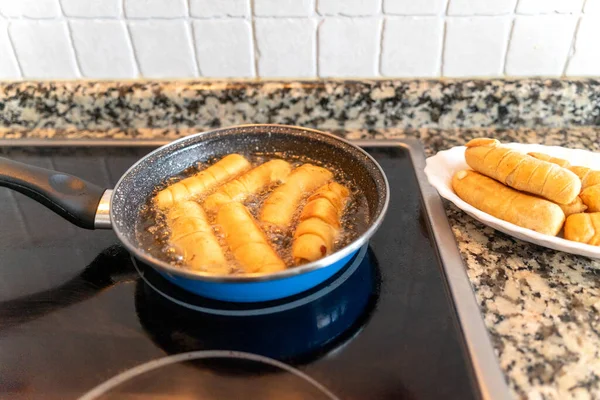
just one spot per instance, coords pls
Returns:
(444, 31)
(510, 37)
(192, 43)
(316, 41)
(71, 41)
(14, 51)
(572, 47)
(255, 51)
(136, 64)
(318, 47)
(380, 56)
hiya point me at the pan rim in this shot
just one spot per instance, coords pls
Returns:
(257, 277)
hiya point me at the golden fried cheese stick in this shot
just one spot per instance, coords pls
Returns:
(319, 223)
(591, 198)
(279, 208)
(575, 207)
(508, 204)
(588, 176)
(249, 183)
(584, 228)
(193, 236)
(225, 169)
(246, 240)
(521, 171)
(554, 160)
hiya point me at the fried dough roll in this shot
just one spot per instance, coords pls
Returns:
(225, 169)
(249, 183)
(246, 240)
(554, 160)
(588, 176)
(575, 207)
(583, 228)
(279, 208)
(522, 172)
(193, 236)
(319, 223)
(591, 198)
(508, 204)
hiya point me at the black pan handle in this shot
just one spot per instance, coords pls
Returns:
(70, 197)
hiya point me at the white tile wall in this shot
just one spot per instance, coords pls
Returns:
(30, 8)
(91, 8)
(349, 47)
(402, 55)
(585, 60)
(412, 7)
(283, 8)
(9, 68)
(224, 47)
(540, 45)
(286, 47)
(155, 8)
(592, 6)
(352, 8)
(102, 49)
(43, 48)
(163, 48)
(70, 39)
(475, 46)
(226, 8)
(481, 7)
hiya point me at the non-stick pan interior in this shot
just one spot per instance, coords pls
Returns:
(138, 183)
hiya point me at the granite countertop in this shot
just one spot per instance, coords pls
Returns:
(541, 307)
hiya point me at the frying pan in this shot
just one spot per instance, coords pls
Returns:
(93, 207)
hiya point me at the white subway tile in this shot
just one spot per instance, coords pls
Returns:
(412, 47)
(43, 49)
(481, 7)
(286, 47)
(220, 8)
(8, 64)
(91, 8)
(592, 7)
(586, 57)
(102, 49)
(163, 49)
(30, 8)
(155, 8)
(549, 6)
(283, 8)
(348, 7)
(349, 47)
(475, 46)
(224, 48)
(539, 45)
(414, 7)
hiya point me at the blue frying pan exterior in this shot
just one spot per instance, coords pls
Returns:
(250, 292)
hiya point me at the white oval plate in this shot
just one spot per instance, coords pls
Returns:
(441, 167)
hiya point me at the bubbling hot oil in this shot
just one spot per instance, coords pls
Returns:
(153, 232)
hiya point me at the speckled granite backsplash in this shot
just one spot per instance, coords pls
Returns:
(34, 109)
(542, 307)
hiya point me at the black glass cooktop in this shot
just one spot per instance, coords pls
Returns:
(78, 318)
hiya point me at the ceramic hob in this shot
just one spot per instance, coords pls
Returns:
(79, 318)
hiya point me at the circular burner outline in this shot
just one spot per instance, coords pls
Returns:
(136, 371)
(267, 310)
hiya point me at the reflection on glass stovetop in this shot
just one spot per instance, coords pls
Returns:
(75, 312)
